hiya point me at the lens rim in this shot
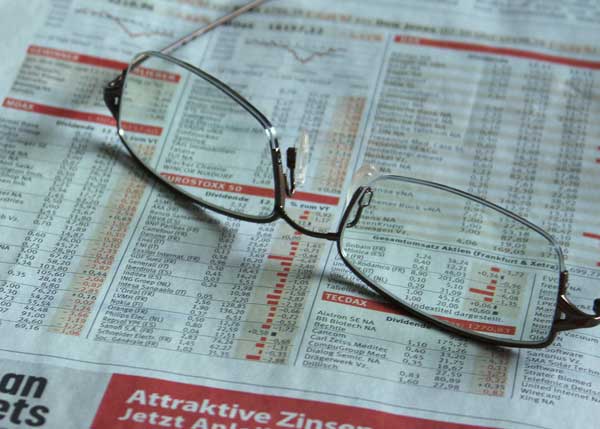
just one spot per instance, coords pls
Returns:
(561, 287)
(271, 138)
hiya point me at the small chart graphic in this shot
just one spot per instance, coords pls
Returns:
(134, 29)
(489, 292)
(301, 54)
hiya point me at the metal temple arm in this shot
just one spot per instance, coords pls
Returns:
(199, 32)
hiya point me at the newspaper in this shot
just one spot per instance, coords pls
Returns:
(121, 306)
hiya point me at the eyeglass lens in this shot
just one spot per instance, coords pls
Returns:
(413, 242)
(209, 145)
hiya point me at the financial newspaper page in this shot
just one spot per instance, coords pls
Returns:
(123, 306)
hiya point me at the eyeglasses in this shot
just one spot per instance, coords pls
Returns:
(436, 253)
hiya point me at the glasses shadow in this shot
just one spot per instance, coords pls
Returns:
(194, 211)
(353, 287)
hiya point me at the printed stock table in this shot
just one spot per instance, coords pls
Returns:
(107, 246)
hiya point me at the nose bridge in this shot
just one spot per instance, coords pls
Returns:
(331, 236)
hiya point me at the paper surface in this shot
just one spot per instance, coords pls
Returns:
(121, 305)
(16, 35)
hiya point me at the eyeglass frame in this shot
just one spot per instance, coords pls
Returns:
(566, 317)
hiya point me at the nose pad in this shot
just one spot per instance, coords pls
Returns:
(363, 176)
(364, 201)
(296, 162)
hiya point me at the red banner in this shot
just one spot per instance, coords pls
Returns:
(216, 185)
(497, 50)
(132, 402)
(370, 304)
(74, 57)
(60, 112)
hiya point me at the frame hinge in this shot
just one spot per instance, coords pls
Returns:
(574, 318)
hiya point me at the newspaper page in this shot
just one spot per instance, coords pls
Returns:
(124, 306)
